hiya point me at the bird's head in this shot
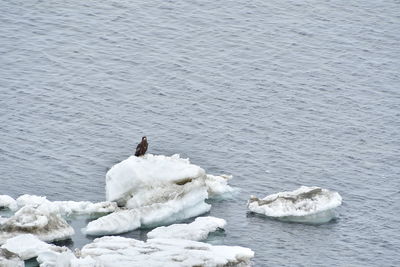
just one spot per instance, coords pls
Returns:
(144, 138)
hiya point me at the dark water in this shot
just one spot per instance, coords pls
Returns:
(278, 93)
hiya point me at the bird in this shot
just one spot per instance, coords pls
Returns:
(141, 147)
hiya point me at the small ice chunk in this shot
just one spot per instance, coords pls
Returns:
(196, 231)
(218, 185)
(28, 246)
(68, 208)
(43, 221)
(306, 204)
(8, 259)
(8, 202)
(114, 250)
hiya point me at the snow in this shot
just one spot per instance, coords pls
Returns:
(306, 204)
(196, 231)
(43, 221)
(110, 250)
(158, 190)
(8, 259)
(8, 202)
(28, 246)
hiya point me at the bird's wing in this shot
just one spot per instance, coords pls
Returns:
(138, 147)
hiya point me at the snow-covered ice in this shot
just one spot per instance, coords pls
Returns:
(217, 185)
(43, 218)
(110, 250)
(28, 246)
(8, 259)
(118, 222)
(42, 221)
(158, 190)
(8, 202)
(196, 231)
(306, 205)
(140, 175)
(68, 208)
(151, 215)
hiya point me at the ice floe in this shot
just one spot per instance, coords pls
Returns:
(218, 185)
(110, 250)
(68, 208)
(196, 231)
(306, 205)
(43, 218)
(157, 190)
(8, 202)
(42, 221)
(28, 246)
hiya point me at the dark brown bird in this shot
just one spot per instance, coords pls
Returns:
(141, 147)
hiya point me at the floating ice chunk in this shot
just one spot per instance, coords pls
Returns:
(8, 202)
(8, 259)
(43, 221)
(68, 208)
(113, 250)
(196, 231)
(180, 206)
(28, 246)
(306, 204)
(218, 185)
(150, 171)
(159, 189)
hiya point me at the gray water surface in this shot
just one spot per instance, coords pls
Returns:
(277, 93)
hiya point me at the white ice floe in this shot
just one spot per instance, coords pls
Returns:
(306, 204)
(218, 185)
(110, 250)
(196, 231)
(8, 259)
(28, 246)
(176, 208)
(68, 208)
(42, 221)
(158, 190)
(8, 202)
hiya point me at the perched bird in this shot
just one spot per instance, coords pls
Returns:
(141, 147)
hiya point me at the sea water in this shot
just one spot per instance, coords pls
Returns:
(277, 93)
